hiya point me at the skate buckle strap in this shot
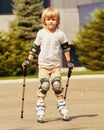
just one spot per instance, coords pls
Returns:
(40, 107)
(61, 103)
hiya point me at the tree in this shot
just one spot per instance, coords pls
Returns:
(28, 18)
(90, 42)
(16, 43)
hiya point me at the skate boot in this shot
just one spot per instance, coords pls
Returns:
(40, 109)
(40, 119)
(61, 105)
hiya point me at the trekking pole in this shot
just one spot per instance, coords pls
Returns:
(67, 83)
(23, 93)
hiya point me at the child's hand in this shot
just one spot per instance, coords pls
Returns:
(26, 63)
(70, 64)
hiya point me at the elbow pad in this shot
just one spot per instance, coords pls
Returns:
(35, 50)
(65, 46)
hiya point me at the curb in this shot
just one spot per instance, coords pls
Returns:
(99, 76)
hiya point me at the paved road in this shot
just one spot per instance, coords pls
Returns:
(85, 101)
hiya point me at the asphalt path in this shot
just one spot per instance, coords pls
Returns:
(85, 102)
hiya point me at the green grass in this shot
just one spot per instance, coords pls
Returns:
(87, 72)
(17, 77)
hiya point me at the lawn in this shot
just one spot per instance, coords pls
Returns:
(84, 72)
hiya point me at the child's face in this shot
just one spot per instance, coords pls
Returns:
(51, 24)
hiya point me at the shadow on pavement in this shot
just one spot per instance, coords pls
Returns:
(80, 116)
(71, 118)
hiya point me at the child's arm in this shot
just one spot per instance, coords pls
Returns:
(66, 50)
(34, 51)
(67, 55)
(30, 57)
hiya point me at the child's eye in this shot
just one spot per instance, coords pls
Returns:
(47, 19)
(54, 19)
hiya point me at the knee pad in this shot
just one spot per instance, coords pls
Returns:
(45, 85)
(56, 84)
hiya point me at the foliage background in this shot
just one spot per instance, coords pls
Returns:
(89, 43)
(16, 43)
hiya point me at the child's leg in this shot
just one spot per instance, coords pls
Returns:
(40, 108)
(41, 94)
(61, 104)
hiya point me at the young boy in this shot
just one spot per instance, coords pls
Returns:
(48, 44)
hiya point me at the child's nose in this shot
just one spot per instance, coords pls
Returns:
(51, 20)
